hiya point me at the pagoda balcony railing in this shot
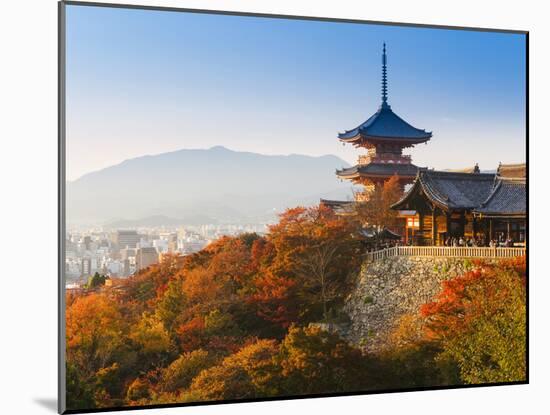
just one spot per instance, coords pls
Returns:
(384, 158)
(446, 251)
(363, 196)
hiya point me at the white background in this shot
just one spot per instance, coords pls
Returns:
(28, 204)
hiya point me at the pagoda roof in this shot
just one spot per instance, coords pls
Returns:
(449, 190)
(508, 198)
(386, 125)
(378, 169)
(342, 207)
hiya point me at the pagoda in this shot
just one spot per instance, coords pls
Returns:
(384, 136)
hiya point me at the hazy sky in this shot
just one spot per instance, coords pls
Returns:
(147, 82)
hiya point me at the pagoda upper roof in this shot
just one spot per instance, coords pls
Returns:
(385, 124)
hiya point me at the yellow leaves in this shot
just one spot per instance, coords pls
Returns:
(94, 327)
(149, 333)
(249, 373)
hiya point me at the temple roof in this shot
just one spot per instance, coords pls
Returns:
(449, 190)
(473, 169)
(385, 124)
(374, 233)
(508, 198)
(512, 170)
(378, 169)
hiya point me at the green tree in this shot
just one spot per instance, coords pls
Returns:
(172, 304)
(96, 280)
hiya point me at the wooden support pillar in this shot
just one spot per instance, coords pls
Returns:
(474, 230)
(448, 218)
(434, 227)
(490, 229)
(508, 230)
(420, 226)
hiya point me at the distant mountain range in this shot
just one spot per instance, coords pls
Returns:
(202, 186)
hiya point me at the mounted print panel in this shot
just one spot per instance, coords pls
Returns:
(265, 207)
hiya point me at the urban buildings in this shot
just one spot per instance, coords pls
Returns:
(121, 253)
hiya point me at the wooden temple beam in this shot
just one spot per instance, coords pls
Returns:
(434, 225)
(420, 225)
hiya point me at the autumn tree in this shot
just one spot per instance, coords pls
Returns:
(180, 373)
(316, 270)
(252, 372)
(376, 210)
(479, 319)
(409, 359)
(94, 331)
(313, 360)
(152, 340)
(96, 351)
(319, 251)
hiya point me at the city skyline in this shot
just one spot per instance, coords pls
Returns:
(284, 87)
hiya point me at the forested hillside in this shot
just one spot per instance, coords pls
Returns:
(237, 320)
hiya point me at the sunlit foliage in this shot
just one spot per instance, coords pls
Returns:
(246, 317)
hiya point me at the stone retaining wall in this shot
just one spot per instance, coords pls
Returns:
(390, 288)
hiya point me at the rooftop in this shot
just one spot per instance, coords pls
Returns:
(508, 198)
(385, 124)
(449, 190)
(486, 194)
(512, 170)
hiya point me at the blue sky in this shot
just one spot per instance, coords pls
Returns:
(147, 82)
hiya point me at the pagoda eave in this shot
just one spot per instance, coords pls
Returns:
(375, 176)
(364, 140)
(379, 170)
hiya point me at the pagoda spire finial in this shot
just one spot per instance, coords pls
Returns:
(384, 78)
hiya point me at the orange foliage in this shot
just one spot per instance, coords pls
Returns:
(190, 334)
(463, 299)
(272, 299)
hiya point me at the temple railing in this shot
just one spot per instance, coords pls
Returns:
(384, 158)
(446, 251)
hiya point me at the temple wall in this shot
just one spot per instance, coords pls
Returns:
(390, 288)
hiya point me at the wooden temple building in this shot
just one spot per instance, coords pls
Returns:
(439, 205)
(471, 205)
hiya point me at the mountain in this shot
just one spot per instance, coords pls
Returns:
(216, 184)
